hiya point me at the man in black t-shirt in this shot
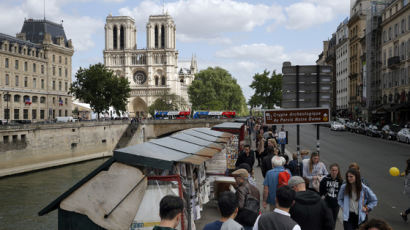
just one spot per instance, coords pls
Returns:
(246, 156)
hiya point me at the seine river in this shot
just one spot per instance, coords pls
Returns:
(22, 197)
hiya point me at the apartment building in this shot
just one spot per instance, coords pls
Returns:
(35, 72)
(342, 68)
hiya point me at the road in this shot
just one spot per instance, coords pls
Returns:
(374, 155)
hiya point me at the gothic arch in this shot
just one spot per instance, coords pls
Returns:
(114, 37)
(122, 37)
(156, 36)
(138, 107)
(162, 36)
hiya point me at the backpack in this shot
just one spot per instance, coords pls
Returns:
(283, 178)
(250, 211)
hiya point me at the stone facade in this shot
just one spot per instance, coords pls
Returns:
(35, 72)
(357, 25)
(396, 62)
(342, 68)
(153, 71)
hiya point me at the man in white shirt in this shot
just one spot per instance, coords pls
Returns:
(279, 219)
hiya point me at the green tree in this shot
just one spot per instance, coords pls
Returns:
(216, 89)
(99, 87)
(268, 90)
(167, 102)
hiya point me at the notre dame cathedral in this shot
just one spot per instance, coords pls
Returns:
(152, 71)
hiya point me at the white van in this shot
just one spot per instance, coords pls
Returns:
(64, 119)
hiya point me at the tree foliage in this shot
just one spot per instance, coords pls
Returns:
(268, 90)
(216, 89)
(99, 87)
(167, 102)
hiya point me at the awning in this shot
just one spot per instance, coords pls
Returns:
(164, 152)
(228, 125)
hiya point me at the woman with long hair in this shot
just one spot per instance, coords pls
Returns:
(330, 186)
(406, 189)
(356, 200)
(314, 170)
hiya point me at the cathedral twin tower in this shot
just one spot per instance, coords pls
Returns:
(154, 71)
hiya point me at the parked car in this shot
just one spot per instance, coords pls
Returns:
(389, 132)
(374, 131)
(404, 135)
(335, 125)
(354, 126)
(361, 128)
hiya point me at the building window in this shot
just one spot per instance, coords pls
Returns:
(42, 100)
(16, 98)
(7, 114)
(34, 114)
(6, 61)
(34, 67)
(65, 72)
(54, 70)
(66, 113)
(54, 58)
(25, 82)
(65, 100)
(34, 99)
(42, 83)
(59, 112)
(34, 83)
(156, 81)
(396, 30)
(25, 66)
(59, 72)
(16, 114)
(59, 59)
(7, 79)
(59, 85)
(163, 80)
(54, 85)
(403, 25)
(42, 69)
(16, 64)
(65, 60)
(25, 114)
(17, 80)
(66, 86)
(54, 100)
(42, 114)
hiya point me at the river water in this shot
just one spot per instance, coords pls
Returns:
(22, 197)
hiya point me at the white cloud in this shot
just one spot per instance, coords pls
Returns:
(245, 60)
(308, 13)
(207, 19)
(78, 28)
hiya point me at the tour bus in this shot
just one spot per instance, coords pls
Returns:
(159, 115)
(214, 114)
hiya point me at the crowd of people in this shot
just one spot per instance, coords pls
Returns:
(297, 193)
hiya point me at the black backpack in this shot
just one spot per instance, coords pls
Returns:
(250, 211)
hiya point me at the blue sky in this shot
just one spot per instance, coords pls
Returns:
(243, 36)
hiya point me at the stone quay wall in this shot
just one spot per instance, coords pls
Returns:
(30, 147)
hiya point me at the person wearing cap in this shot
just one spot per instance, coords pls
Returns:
(309, 210)
(245, 192)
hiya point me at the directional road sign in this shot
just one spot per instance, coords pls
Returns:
(297, 116)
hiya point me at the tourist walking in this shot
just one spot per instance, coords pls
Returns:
(354, 165)
(248, 199)
(406, 189)
(246, 156)
(309, 210)
(280, 218)
(228, 207)
(260, 148)
(271, 182)
(356, 200)
(267, 160)
(170, 212)
(314, 170)
(295, 166)
(329, 187)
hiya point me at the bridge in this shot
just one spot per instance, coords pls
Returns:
(30, 147)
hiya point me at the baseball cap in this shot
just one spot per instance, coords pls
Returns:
(295, 180)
